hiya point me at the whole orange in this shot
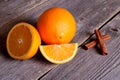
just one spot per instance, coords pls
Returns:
(56, 25)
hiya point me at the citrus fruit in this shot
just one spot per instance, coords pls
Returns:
(59, 53)
(56, 25)
(23, 41)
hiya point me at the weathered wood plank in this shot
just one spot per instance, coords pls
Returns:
(90, 65)
(22, 70)
(28, 13)
(94, 16)
(85, 11)
(10, 9)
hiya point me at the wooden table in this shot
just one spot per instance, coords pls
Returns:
(87, 65)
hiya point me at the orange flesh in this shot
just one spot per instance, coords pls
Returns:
(59, 52)
(20, 40)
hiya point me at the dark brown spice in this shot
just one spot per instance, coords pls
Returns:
(94, 42)
(101, 42)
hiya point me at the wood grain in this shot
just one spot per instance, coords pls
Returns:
(89, 14)
(10, 9)
(90, 65)
(22, 70)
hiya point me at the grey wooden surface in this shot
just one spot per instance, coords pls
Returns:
(90, 65)
(89, 15)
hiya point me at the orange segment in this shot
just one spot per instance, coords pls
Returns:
(59, 54)
(23, 41)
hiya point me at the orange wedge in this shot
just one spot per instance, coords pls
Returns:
(60, 53)
(23, 41)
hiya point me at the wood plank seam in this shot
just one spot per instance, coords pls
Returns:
(113, 56)
(45, 73)
(49, 70)
(109, 59)
(108, 65)
(103, 66)
(107, 21)
(111, 18)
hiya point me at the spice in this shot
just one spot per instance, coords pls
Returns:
(94, 42)
(101, 42)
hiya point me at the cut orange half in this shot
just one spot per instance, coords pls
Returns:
(60, 53)
(23, 41)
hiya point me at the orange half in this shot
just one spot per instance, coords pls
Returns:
(60, 53)
(23, 41)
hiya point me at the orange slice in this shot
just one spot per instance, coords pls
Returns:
(60, 53)
(23, 41)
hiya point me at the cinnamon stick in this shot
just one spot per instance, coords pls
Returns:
(94, 42)
(101, 42)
